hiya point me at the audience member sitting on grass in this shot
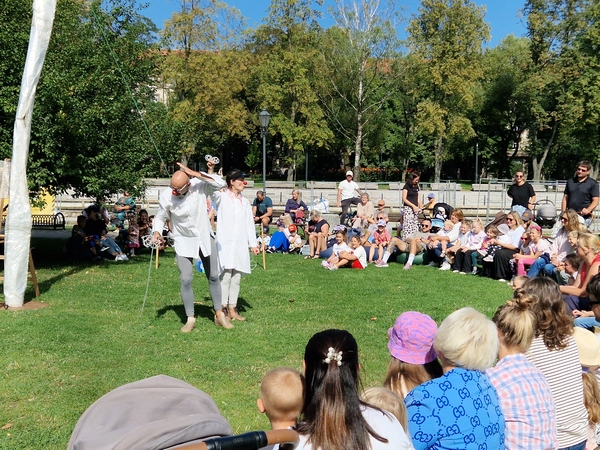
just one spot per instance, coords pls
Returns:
(571, 267)
(533, 246)
(355, 257)
(525, 396)
(389, 401)
(381, 239)
(281, 397)
(448, 237)
(295, 207)
(463, 236)
(576, 296)
(80, 245)
(416, 244)
(413, 360)
(554, 352)
(318, 231)
(589, 358)
(144, 227)
(365, 211)
(488, 247)
(500, 267)
(331, 370)
(285, 240)
(95, 226)
(339, 246)
(439, 414)
(560, 247)
(465, 258)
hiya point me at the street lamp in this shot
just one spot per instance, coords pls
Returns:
(264, 117)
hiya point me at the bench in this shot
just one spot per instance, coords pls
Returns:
(488, 187)
(53, 221)
(280, 184)
(368, 186)
(321, 185)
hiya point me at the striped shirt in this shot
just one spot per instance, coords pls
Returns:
(563, 372)
(526, 402)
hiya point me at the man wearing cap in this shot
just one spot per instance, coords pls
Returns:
(184, 204)
(346, 196)
(582, 193)
(522, 194)
(430, 204)
(380, 209)
(527, 217)
(262, 210)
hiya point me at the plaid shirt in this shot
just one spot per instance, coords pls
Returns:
(527, 404)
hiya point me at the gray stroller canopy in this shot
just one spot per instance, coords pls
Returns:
(155, 413)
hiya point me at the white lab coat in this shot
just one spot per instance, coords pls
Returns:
(235, 231)
(189, 219)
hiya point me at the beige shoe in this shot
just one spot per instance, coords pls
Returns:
(222, 321)
(235, 315)
(189, 326)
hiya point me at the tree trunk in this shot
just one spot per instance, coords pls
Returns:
(538, 166)
(357, 148)
(439, 151)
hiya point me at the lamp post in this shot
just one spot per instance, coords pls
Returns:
(264, 117)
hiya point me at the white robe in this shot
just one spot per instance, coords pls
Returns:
(189, 219)
(235, 231)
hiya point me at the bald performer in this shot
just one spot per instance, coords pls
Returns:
(184, 204)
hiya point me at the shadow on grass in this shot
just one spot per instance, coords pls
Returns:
(200, 310)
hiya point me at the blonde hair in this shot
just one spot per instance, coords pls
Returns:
(517, 217)
(573, 234)
(478, 221)
(519, 281)
(448, 223)
(411, 375)
(282, 393)
(591, 397)
(516, 321)
(387, 400)
(589, 240)
(468, 339)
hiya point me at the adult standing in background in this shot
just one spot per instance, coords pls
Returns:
(581, 193)
(235, 235)
(522, 194)
(411, 205)
(346, 196)
(262, 210)
(184, 204)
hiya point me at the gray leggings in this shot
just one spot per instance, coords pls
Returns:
(211, 270)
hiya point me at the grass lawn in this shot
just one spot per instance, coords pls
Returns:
(94, 337)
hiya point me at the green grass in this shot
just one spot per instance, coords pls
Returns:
(93, 336)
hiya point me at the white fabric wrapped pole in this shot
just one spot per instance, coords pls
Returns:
(18, 222)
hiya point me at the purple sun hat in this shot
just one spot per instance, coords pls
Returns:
(411, 338)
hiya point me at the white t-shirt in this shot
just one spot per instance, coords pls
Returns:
(348, 189)
(385, 425)
(361, 254)
(337, 248)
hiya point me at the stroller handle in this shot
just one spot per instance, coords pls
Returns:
(252, 440)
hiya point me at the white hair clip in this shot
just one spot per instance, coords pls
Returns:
(214, 159)
(332, 355)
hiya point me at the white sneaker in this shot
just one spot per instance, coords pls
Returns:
(462, 273)
(502, 280)
(482, 252)
(407, 266)
(118, 258)
(332, 267)
(455, 271)
(325, 264)
(124, 257)
(489, 258)
(445, 266)
(381, 264)
(474, 271)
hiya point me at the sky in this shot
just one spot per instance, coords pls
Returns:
(502, 15)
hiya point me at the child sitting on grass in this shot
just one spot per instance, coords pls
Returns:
(488, 250)
(355, 256)
(340, 245)
(381, 239)
(445, 231)
(281, 397)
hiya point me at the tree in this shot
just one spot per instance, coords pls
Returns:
(206, 72)
(359, 54)
(284, 76)
(446, 39)
(86, 133)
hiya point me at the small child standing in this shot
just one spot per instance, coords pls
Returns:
(355, 256)
(381, 239)
(281, 397)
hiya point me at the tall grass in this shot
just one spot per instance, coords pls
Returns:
(94, 336)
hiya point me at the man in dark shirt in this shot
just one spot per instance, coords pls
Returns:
(522, 194)
(582, 193)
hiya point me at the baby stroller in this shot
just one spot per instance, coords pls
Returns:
(441, 213)
(545, 213)
(163, 413)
